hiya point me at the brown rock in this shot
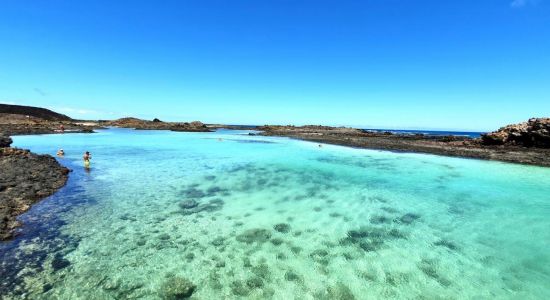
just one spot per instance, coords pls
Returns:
(533, 133)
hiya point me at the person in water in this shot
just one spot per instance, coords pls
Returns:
(60, 152)
(87, 156)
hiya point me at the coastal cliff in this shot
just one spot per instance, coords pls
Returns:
(25, 178)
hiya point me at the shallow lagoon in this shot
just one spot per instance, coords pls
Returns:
(259, 217)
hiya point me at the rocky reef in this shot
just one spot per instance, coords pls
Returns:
(157, 124)
(526, 143)
(177, 288)
(25, 178)
(533, 133)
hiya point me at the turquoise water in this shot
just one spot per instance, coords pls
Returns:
(278, 218)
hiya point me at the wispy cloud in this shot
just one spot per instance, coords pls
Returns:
(40, 92)
(81, 111)
(7, 102)
(522, 3)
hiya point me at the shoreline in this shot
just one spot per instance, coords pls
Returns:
(26, 179)
(444, 146)
(32, 177)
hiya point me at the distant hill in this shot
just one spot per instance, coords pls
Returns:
(32, 111)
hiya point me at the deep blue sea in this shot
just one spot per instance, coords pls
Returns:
(471, 134)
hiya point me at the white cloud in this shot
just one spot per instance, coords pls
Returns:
(81, 111)
(522, 3)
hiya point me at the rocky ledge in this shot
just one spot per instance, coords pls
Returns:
(533, 133)
(157, 124)
(14, 124)
(19, 119)
(25, 178)
(531, 150)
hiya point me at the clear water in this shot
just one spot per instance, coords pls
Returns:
(357, 223)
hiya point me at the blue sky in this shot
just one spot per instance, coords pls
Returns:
(468, 65)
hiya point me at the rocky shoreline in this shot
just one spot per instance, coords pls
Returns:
(25, 179)
(156, 124)
(15, 124)
(506, 148)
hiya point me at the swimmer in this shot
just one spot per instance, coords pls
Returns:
(87, 156)
(60, 152)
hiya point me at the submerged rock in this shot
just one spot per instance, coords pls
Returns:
(448, 244)
(177, 288)
(261, 270)
(292, 276)
(59, 262)
(282, 227)
(194, 193)
(239, 289)
(339, 291)
(277, 241)
(188, 204)
(371, 238)
(408, 218)
(379, 219)
(254, 282)
(211, 206)
(255, 235)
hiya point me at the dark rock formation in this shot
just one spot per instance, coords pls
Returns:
(190, 208)
(25, 178)
(529, 145)
(31, 111)
(255, 235)
(193, 126)
(533, 133)
(15, 120)
(5, 141)
(157, 124)
(188, 204)
(407, 218)
(282, 227)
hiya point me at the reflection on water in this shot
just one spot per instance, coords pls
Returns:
(163, 214)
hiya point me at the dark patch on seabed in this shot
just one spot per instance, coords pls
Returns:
(251, 141)
(42, 226)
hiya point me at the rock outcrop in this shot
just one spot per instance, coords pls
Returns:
(16, 124)
(177, 288)
(25, 178)
(5, 141)
(33, 112)
(533, 133)
(157, 124)
(527, 145)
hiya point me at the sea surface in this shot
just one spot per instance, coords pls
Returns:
(256, 217)
(470, 134)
